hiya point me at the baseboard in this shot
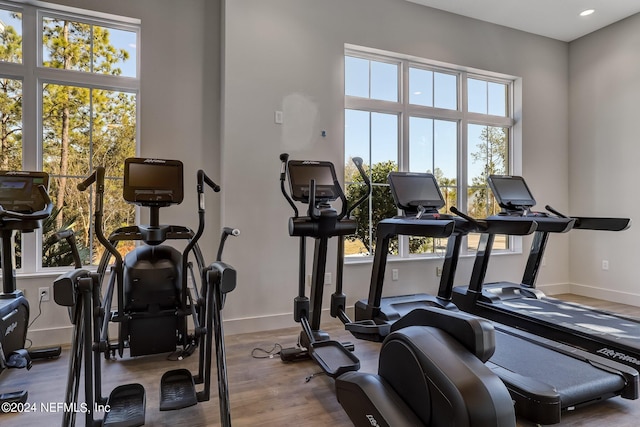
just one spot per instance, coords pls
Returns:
(270, 322)
(62, 336)
(50, 337)
(259, 323)
(605, 294)
(555, 288)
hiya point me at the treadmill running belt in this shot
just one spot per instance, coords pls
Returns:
(578, 318)
(576, 381)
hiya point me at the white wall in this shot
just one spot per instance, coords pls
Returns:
(603, 158)
(288, 55)
(179, 116)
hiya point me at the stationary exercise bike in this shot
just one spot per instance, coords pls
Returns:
(427, 375)
(155, 308)
(24, 203)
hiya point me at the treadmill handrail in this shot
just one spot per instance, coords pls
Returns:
(514, 226)
(595, 223)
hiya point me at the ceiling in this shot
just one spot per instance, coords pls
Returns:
(557, 19)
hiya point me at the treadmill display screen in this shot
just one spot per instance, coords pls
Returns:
(302, 172)
(19, 191)
(411, 190)
(153, 182)
(511, 191)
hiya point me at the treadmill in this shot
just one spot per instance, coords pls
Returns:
(607, 334)
(544, 377)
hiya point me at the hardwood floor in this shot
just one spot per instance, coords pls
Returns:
(263, 392)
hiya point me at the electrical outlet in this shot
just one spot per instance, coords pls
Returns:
(394, 274)
(438, 271)
(44, 293)
(605, 264)
(327, 278)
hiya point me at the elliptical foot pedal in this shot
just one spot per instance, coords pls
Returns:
(333, 358)
(13, 397)
(126, 406)
(368, 330)
(177, 390)
(293, 354)
(45, 353)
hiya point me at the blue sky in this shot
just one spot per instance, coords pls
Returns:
(431, 142)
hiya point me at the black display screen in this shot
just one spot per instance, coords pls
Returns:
(153, 181)
(19, 190)
(302, 172)
(511, 191)
(412, 189)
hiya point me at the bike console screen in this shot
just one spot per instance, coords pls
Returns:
(19, 191)
(411, 190)
(511, 192)
(301, 172)
(153, 182)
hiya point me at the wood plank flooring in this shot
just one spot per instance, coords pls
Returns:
(263, 392)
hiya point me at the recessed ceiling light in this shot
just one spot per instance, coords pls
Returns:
(587, 12)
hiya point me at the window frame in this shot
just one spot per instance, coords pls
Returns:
(461, 116)
(34, 76)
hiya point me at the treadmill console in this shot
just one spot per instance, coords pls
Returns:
(415, 192)
(19, 190)
(153, 182)
(511, 192)
(301, 172)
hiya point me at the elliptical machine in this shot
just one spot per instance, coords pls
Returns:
(24, 203)
(428, 375)
(155, 308)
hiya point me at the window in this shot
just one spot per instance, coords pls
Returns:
(413, 115)
(69, 90)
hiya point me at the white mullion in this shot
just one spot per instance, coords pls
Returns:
(463, 149)
(403, 145)
(31, 153)
(461, 116)
(35, 76)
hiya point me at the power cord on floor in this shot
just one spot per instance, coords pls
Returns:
(261, 353)
(312, 376)
(33, 321)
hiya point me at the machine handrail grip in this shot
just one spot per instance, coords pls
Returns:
(358, 162)
(98, 177)
(284, 157)
(41, 214)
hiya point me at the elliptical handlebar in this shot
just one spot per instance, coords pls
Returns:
(90, 180)
(34, 216)
(226, 232)
(358, 162)
(68, 235)
(203, 178)
(97, 177)
(284, 158)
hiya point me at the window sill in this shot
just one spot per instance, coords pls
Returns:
(357, 260)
